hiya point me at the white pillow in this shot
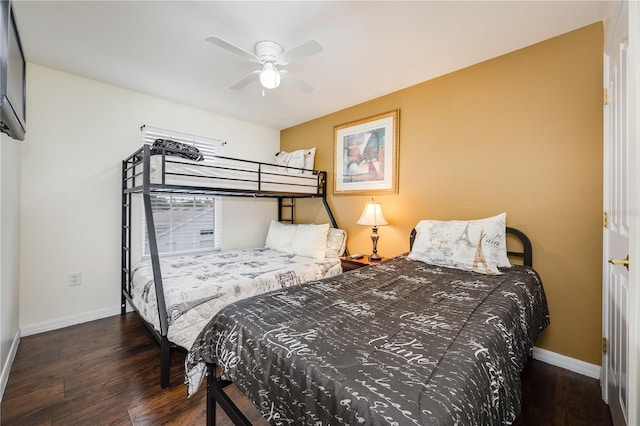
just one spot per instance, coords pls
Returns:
(310, 240)
(503, 259)
(301, 158)
(309, 159)
(336, 242)
(280, 236)
(282, 158)
(296, 159)
(468, 245)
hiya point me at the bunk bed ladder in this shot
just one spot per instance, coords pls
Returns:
(126, 240)
(290, 205)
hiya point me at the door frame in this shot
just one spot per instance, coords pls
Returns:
(634, 207)
(633, 99)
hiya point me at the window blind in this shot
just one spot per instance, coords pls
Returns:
(208, 147)
(183, 222)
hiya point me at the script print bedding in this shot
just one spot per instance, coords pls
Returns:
(197, 286)
(401, 342)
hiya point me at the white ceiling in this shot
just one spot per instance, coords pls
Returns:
(370, 48)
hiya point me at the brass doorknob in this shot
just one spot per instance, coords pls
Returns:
(624, 262)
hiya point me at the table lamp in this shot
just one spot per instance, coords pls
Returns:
(372, 216)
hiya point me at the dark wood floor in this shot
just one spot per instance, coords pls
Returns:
(106, 372)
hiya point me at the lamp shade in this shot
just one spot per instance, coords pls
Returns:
(372, 215)
(269, 76)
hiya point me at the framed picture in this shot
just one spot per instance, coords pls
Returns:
(366, 155)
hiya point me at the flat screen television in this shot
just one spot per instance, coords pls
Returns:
(12, 75)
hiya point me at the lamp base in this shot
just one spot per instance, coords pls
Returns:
(374, 240)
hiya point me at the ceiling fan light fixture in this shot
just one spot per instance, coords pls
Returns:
(269, 76)
(270, 56)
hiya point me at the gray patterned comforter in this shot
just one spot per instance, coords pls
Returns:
(401, 342)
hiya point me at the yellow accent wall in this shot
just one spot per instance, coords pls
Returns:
(520, 133)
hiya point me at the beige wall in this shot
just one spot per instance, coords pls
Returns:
(520, 133)
(9, 253)
(79, 131)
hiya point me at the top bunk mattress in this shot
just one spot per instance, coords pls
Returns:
(180, 162)
(227, 173)
(197, 286)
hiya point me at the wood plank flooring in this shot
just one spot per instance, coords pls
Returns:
(106, 372)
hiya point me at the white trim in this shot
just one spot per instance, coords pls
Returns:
(70, 320)
(568, 363)
(633, 102)
(6, 369)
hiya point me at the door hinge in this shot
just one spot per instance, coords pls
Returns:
(605, 345)
(605, 219)
(605, 97)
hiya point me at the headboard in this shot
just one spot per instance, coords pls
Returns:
(526, 253)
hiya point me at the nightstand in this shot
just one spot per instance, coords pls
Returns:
(351, 264)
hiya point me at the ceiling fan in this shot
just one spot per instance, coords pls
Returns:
(270, 56)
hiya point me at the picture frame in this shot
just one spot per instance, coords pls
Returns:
(366, 155)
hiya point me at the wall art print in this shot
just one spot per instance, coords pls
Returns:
(366, 155)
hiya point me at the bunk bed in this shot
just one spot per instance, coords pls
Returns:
(174, 163)
(401, 342)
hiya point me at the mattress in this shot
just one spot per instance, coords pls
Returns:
(232, 174)
(401, 342)
(197, 286)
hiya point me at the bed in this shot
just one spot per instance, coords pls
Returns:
(402, 342)
(196, 286)
(170, 162)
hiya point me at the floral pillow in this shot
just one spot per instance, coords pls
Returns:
(468, 245)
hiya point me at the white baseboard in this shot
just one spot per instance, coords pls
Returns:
(563, 361)
(6, 368)
(70, 320)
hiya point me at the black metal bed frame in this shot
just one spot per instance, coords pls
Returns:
(136, 179)
(216, 385)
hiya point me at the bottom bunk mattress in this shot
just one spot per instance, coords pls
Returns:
(401, 342)
(197, 286)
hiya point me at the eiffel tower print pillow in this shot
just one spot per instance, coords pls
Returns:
(471, 245)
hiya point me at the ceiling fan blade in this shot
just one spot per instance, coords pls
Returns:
(232, 48)
(246, 80)
(309, 48)
(296, 82)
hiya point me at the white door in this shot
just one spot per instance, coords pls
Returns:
(620, 189)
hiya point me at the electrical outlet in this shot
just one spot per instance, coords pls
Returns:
(75, 279)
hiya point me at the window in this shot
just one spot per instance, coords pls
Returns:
(184, 223)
